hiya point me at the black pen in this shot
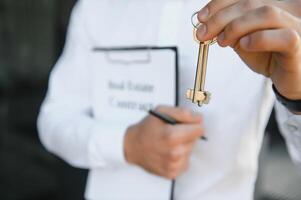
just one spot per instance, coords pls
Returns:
(167, 119)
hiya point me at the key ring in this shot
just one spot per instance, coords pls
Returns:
(196, 25)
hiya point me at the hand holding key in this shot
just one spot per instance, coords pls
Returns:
(265, 34)
(198, 95)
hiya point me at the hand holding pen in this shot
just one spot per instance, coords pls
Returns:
(161, 146)
(167, 119)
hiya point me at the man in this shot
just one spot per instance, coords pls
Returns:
(136, 160)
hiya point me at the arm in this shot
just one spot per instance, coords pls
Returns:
(65, 124)
(68, 129)
(266, 34)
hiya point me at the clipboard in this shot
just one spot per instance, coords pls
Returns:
(109, 50)
(132, 58)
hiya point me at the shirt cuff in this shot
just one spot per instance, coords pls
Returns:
(106, 145)
(291, 121)
(290, 126)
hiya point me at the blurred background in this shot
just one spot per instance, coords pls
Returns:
(32, 34)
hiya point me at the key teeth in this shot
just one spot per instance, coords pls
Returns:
(200, 98)
(207, 98)
(189, 94)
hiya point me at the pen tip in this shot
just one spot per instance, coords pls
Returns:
(204, 138)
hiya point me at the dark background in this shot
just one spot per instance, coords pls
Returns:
(31, 38)
(32, 34)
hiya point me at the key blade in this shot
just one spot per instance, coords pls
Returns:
(189, 94)
(199, 70)
(198, 95)
(203, 67)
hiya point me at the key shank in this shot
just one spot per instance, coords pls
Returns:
(201, 67)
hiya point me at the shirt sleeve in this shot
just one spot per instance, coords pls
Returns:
(290, 127)
(65, 123)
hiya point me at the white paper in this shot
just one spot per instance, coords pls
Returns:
(130, 82)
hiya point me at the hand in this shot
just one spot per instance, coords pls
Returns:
(161, 148)
(264, 33)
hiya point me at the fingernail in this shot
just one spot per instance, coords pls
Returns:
(203, 14)
(245, 41)
(202, 31)
(221, 37)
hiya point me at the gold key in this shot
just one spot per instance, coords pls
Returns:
(198, 95)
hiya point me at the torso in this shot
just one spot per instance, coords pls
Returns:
(225, 167)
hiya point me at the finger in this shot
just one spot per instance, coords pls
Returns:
(185, 165)
(292, 7)
(170, 169)
(156, 166)
(174, 169)
(179, 165)
(180, 114)
(181, 134)
(164, 168)
(177, 153)
(285, 41)
(266, 17)
(212, 7)
(188, 147)
(217, 22)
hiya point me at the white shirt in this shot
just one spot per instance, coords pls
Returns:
(223, 168)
